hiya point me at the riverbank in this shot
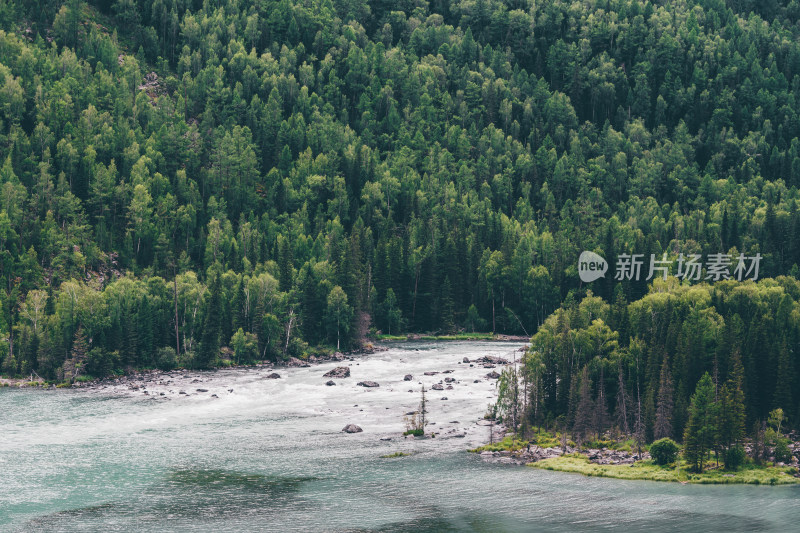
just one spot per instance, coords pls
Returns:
(454, 337)
(148, 374)
(649, 471)
(621, 460)
(312, 359)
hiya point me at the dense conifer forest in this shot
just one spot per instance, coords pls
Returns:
(203, 182)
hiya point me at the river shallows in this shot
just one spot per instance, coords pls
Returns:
(270, 456)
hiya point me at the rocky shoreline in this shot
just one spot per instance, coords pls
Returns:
(140, 377)
(533, 454)
(607, 456)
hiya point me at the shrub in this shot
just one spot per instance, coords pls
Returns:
(664, 451)
(100, 363)
(165, 358)
(782, 453)
(734, 457)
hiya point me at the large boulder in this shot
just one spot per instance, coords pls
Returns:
(368, 384)
(338, 372)
(493, 375)
(352, 428)
(491, 360)
(437, 386)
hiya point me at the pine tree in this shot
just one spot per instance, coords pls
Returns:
(663, 424)
(623, 404)
(583, 412)
(600, 415)
(240, 318)
(446, 306)
(145, 332)
(212, 326)
(698, 437)
(730, 418)
(284, 264)
(80, 347)
(783, 389)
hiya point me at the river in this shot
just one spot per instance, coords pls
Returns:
(269, 455)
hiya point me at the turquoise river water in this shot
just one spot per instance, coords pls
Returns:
(269, 455)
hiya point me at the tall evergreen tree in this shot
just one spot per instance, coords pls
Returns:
(663, 423)
(698, 438)
(583, 424)
(212, 326)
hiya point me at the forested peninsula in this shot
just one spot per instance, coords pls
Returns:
(201, 183)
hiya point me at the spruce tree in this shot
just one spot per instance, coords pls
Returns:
(698, 437)
(663, 424)
(212, 326)
(583, 412)
(284, 264)
(783, 389)
(731, 409)
(146, 346)
(446, 307)
(80, 347)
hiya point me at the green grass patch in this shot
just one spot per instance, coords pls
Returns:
(415, 432)
(627, 445)
(395, 454)
(541, 438)
(508, 444)
(649, 471)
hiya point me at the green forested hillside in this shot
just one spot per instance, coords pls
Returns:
(276, 176)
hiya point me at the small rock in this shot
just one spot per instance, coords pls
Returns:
(465, 360)
(352, 428)
(408, 377)
(492, 375)
(449, 387)
(438, 386)
(274, 375)
(449, 380)
(477, 381)
(182, 392)
(431, 373)
(330, 383)
(214, 396)
(444, 397)
(368, 384)
(202, 390)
